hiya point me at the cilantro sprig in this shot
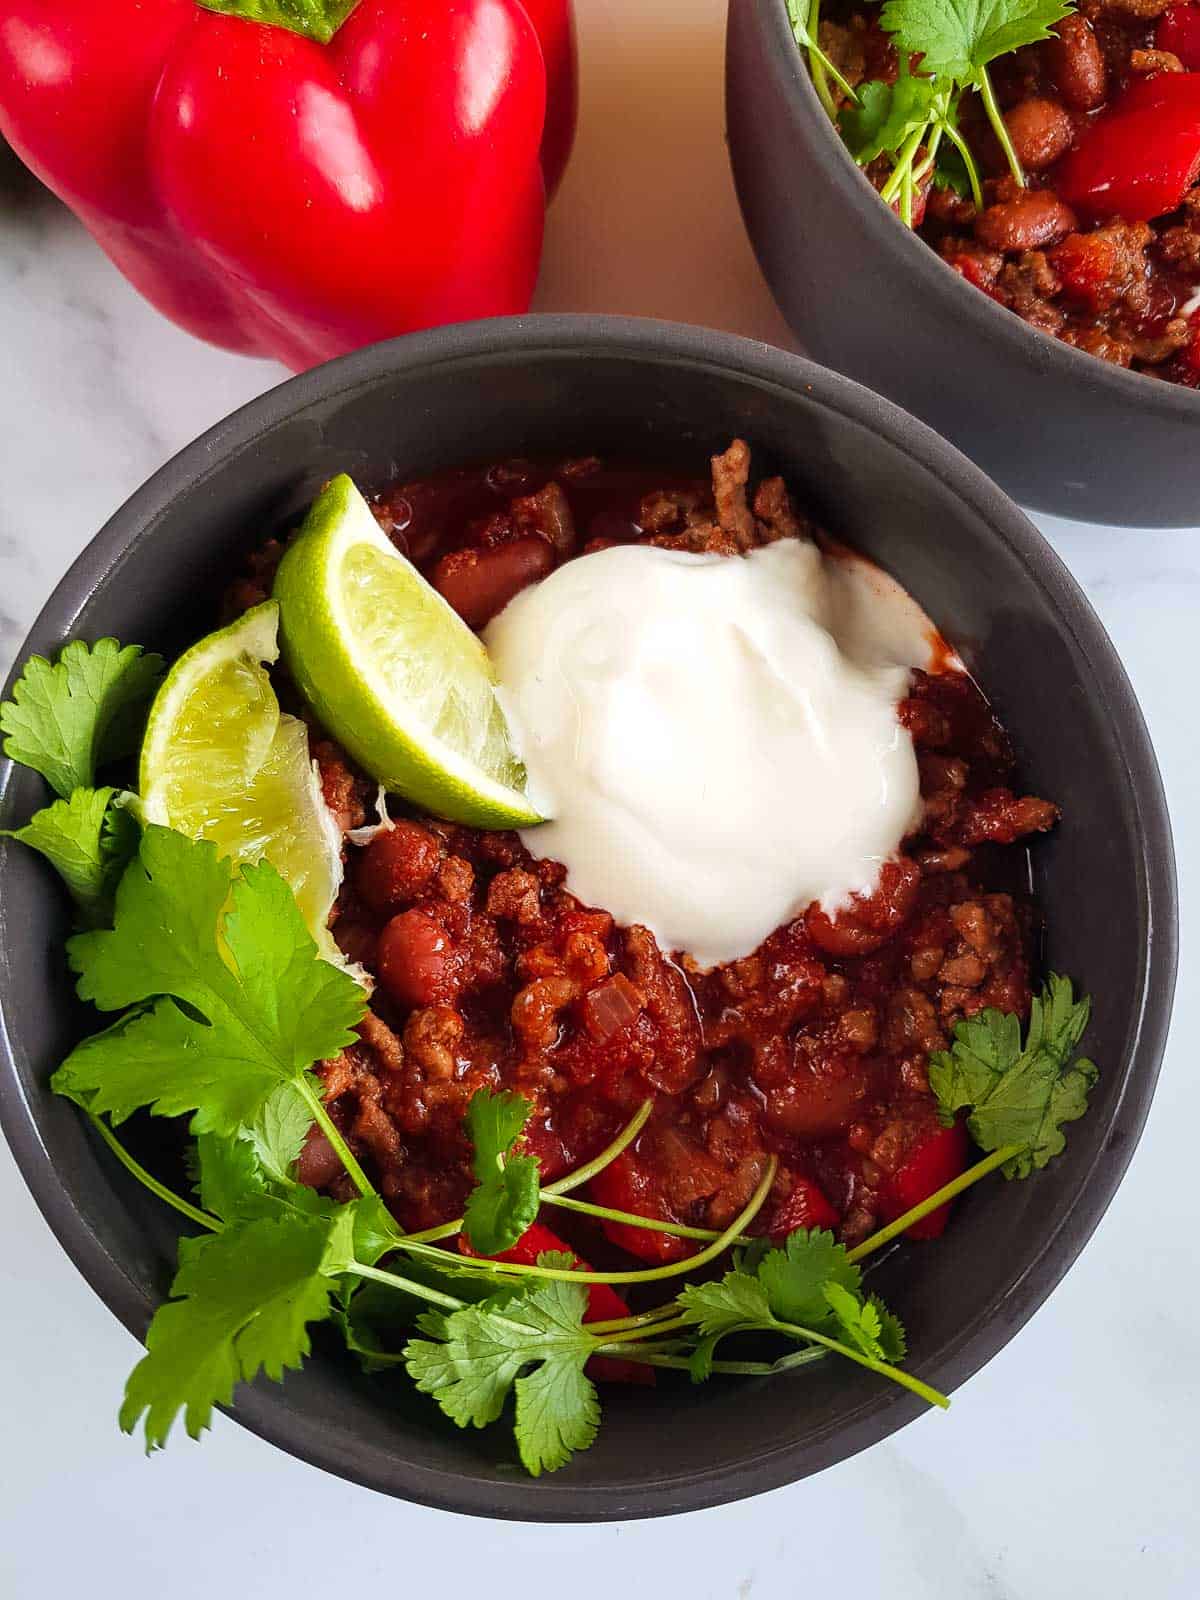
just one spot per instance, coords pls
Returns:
(68, 721)
(1018, 1096)
(945, 48)
(506, 1198)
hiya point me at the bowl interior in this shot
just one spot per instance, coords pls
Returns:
(891, 489)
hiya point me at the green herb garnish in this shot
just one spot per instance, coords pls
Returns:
(506, 1199)
(953, 43)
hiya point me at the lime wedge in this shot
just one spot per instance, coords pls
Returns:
(392, 672)
(220, 761)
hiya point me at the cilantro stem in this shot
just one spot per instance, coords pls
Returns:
(581, 1175)
(740, 1369)
(804, 31)
(393, 1280)
(893, 188)
(326, 1124)
(184, 1207)
(931, 1202)
(638, 1320)
(652, 1331)
(960, 144)
(630, 1219)
(999, 127)
(573, 1180)
(651, 1274)
(884, 1368)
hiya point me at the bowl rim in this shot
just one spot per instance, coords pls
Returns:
(263, 1407)
(886, 233)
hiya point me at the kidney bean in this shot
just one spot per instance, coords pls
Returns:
(318, 1163)
(417, 961)
(1031, 219)
(480, 583)
(1076, 64)
(821, 1100)
(869, 920)
(396, 866)
(1041, 131)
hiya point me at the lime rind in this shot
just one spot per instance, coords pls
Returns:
(392, 671)
(220, 761)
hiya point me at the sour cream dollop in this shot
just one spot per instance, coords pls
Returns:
(714, 738)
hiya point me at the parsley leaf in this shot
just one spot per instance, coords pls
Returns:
(1018, 1096)
(88, 839)
(240, 1001)
(532, 1346)
(957, 38)
(505, 1200)
(70, 719)
(887, 113)
(242, 1302)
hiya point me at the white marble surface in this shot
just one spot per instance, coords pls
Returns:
(1065, 1469)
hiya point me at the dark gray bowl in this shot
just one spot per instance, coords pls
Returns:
(1060, 430)
(1106, 876)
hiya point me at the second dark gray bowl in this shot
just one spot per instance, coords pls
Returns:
(991, 583)
(1060, 430)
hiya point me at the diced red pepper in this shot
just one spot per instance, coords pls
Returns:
(805, 1207)
(1139, 159)
(604, 1303)
(935, 1160)
(626, 1185)
(1179, 32)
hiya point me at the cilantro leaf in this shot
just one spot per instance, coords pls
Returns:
(1018, 1096)
(808, 1290)
(70, 719)
(482, 1354)
(241, 1001)
(229, 1178)
(858, 1320)
(242, 1302)
(727, 1304)
(797, 1276)
(957, 38)
(88, 839)
(505, 1200)
(887, 113)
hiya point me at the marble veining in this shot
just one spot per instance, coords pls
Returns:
(1065, 1469)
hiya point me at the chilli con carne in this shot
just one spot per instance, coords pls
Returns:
(491, 975)
(1080, 212)
(395, 1168)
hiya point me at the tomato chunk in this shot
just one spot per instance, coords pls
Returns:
(935, 1160)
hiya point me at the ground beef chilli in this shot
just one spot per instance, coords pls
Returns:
(1124, 288)
(489, 973)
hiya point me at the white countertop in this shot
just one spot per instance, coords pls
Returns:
(1065, 1469)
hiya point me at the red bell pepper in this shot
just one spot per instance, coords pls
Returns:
(1138, 159)
(299, 189)
(1179, 32)
(626, 1184)
(936, 1159)
(805, 1207)
(604, 1303)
